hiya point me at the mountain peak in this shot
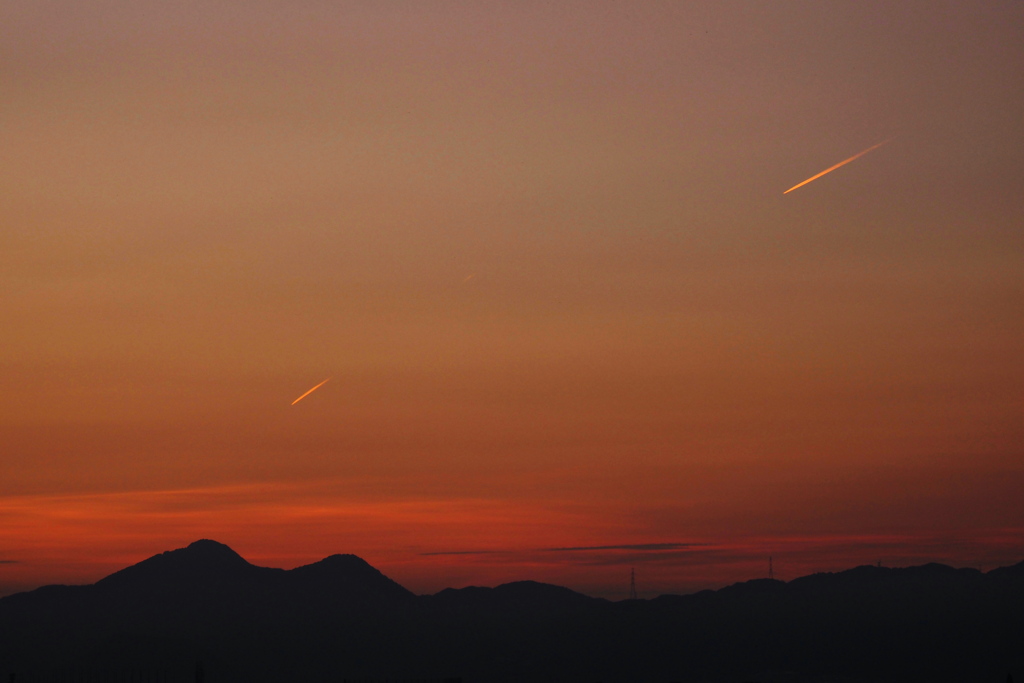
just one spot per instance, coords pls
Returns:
(347, 573)
(202, 560)
(206, 548)
(202, 554)
(345, 560)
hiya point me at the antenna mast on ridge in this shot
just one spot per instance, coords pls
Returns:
(632, 584)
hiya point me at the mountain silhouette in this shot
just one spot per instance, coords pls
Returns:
(203, 560)
(529, 596)
(202, 566)
(341, 618)
(349, 577)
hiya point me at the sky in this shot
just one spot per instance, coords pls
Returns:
(541, 250)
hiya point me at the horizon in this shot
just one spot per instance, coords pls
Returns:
(641, 595)
(548, 290)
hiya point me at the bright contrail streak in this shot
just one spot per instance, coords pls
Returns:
(832, 168)
(311, 391)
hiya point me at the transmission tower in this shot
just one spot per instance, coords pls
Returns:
(632, 584)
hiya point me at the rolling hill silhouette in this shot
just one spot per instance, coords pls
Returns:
(341, 618)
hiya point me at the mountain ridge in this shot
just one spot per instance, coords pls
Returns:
(221, 558)
(342, 618)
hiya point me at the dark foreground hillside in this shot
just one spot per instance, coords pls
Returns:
(340, 618)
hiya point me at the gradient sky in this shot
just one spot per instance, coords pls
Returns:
(572, 324)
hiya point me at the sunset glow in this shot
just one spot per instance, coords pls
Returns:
(571, 325)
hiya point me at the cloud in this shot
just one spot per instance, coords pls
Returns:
(465, 552)
(655, 547)
(8, 562)
(645, 547)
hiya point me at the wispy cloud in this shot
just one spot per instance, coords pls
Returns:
(654, 547)
(465, 552)
(8, 562)
(646, 547)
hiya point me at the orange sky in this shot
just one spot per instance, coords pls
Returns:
(207, 209)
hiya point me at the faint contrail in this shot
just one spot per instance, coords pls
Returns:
(841, 163)
(468, 278)
(311, 391)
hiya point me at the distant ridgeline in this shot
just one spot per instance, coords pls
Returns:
(204, 614)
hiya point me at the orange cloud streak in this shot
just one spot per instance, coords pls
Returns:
(311, 391)
(832, 168)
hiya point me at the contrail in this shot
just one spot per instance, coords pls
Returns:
(841, 163)
(311, 391)
(468, 278)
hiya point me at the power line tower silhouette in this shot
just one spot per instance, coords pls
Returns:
(771, 571)
(632, 584)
